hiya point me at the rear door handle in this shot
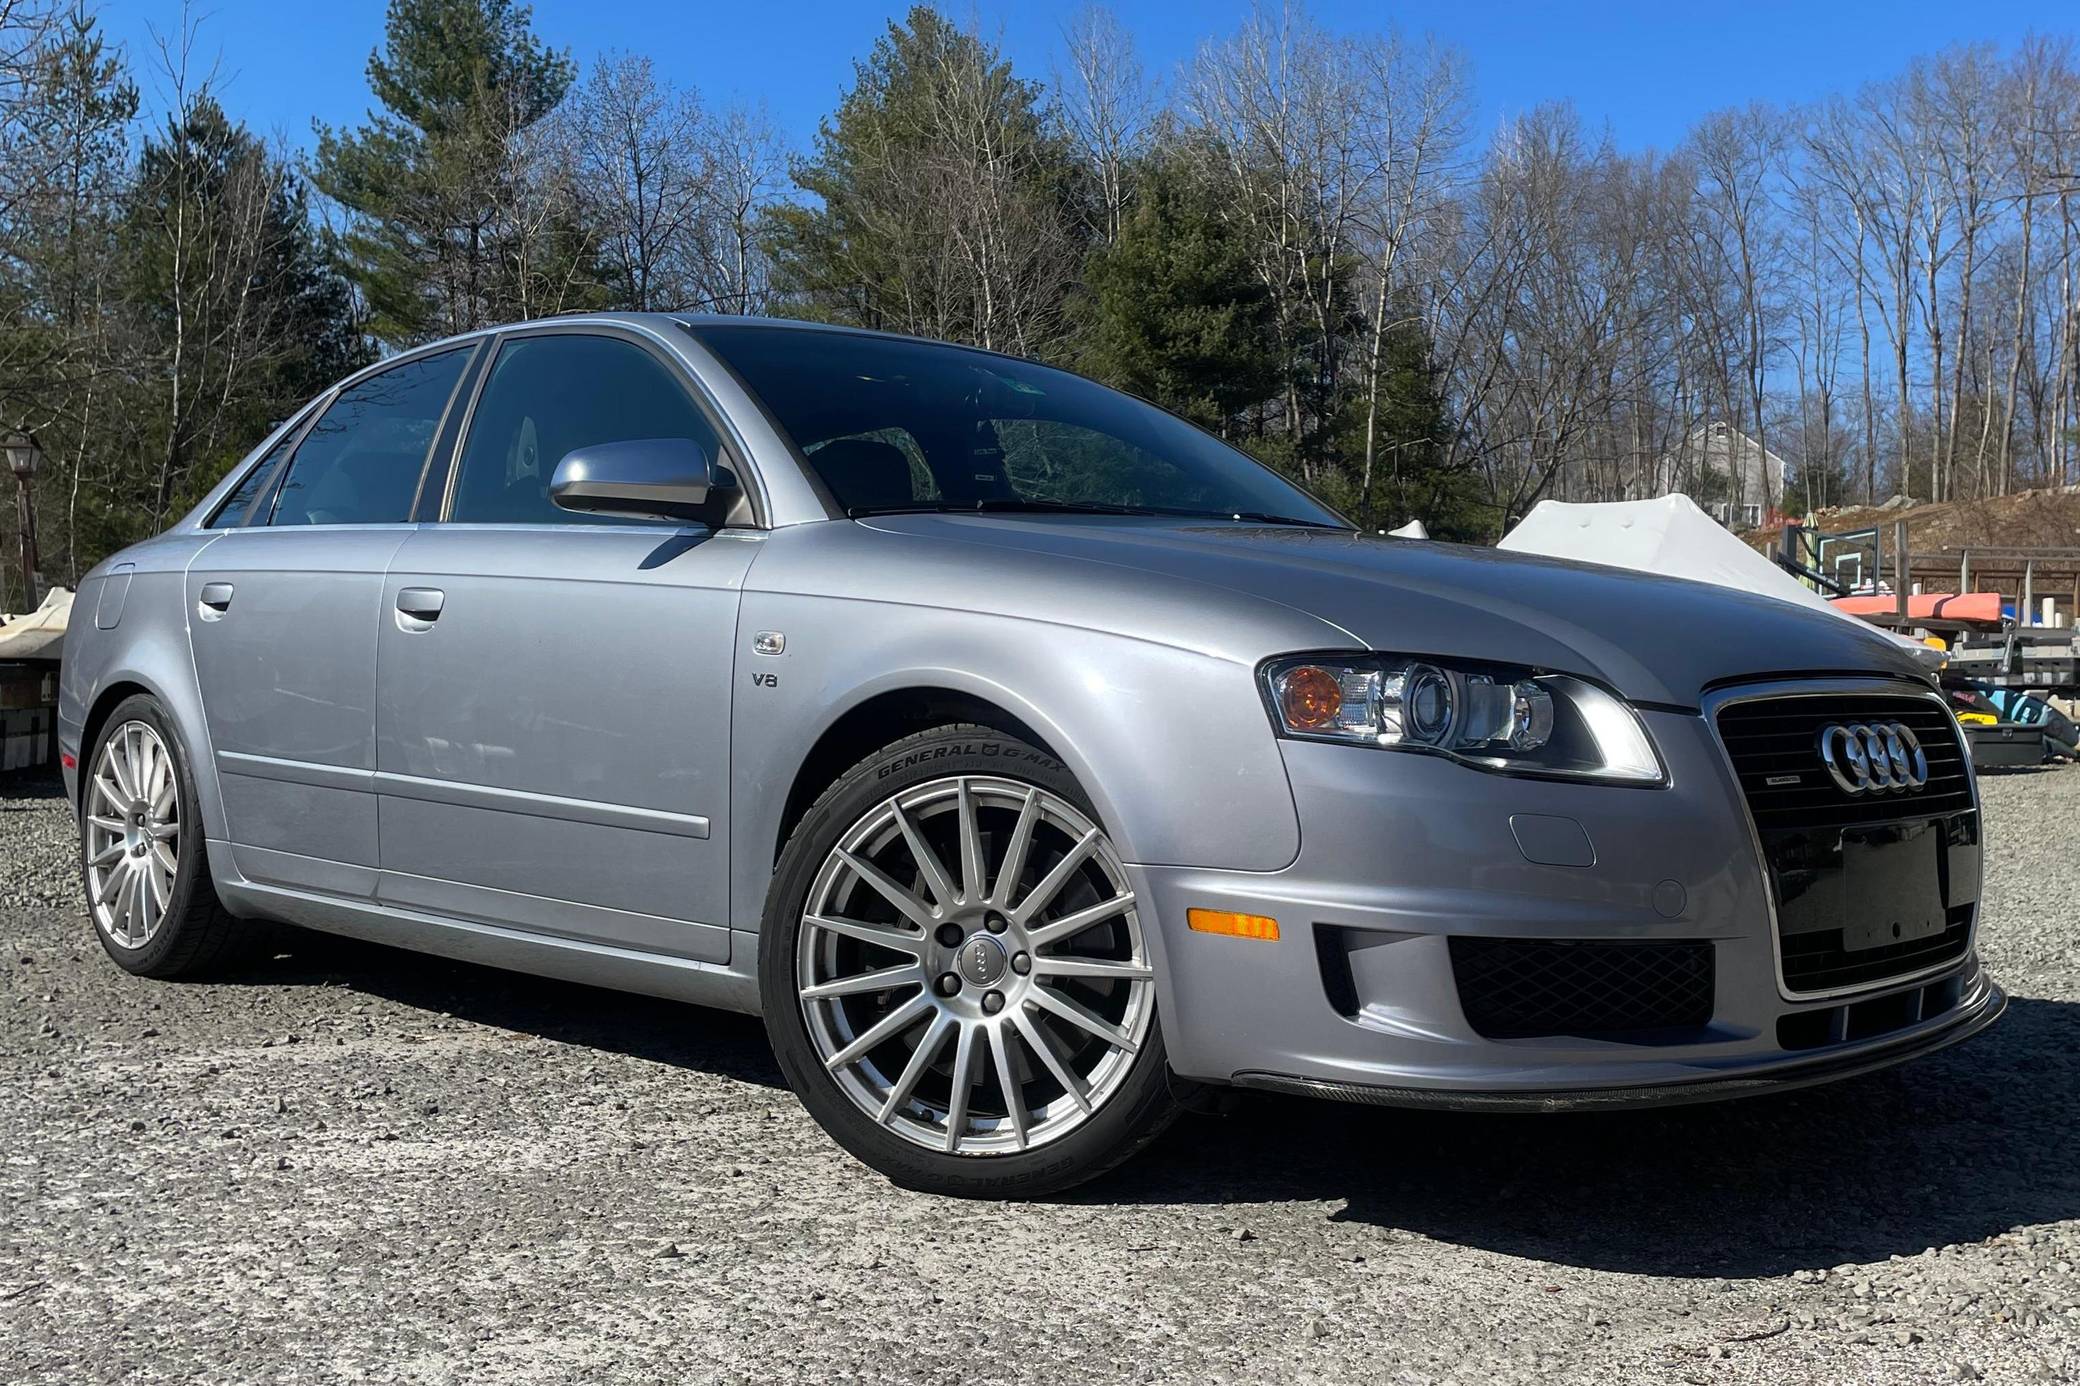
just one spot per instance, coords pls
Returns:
(419, 607)
(215, 600)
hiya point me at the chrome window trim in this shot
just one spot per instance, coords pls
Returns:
(291, 432)
(468, 346)
(1845, 688)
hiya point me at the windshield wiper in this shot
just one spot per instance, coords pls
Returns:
(1011, 504)
(1265, 517)
(1044, 506)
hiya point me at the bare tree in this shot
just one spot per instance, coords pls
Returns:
(1411, 131)
(988, 180)
(744, 172)
(1107, 101)
(1277, 102)
(1737, 155)
(637, 146)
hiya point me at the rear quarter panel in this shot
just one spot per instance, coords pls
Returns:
(147, 646)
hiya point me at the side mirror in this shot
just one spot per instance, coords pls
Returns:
(654, 478)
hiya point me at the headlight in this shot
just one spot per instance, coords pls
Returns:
(1491, 716)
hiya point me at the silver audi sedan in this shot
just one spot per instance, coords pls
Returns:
(1031, 760)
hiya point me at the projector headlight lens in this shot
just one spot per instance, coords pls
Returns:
(1492, 716)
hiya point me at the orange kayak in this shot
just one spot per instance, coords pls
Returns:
(1947, 606)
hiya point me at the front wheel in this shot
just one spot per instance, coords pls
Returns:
(954, 972)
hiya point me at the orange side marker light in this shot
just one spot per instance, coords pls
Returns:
(1236, 925)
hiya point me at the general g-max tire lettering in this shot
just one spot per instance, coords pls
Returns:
(955, 974)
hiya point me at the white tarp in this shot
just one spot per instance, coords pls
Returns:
(37, 634)
(1671, 536)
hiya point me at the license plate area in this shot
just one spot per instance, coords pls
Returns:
(1863, 903)
(1894, 879)
(1881, 883)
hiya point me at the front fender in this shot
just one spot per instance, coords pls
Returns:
(1172, 745)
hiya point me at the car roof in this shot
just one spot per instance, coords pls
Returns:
(695, 325)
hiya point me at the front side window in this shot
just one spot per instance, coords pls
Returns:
(550, 395)
(360, 462)
(890, 423)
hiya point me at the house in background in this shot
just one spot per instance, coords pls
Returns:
(1733, 478)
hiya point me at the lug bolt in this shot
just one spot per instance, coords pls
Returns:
(950, 936)
(993, 1002)
(1022, 963)
(948, 984)
(995, 923)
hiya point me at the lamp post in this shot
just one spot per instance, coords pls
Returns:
(23, 458)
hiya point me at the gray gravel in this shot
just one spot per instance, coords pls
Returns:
(349, 1163)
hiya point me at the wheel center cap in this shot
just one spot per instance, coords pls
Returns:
(981, 960)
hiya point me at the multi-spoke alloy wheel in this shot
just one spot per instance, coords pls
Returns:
(141, 851)
(971, 965)
(956, 975)
(133, 832)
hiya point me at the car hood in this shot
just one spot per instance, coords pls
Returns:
(1654, 639)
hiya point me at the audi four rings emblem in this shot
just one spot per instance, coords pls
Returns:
(1873, 757)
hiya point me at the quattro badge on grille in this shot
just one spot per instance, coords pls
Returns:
(1873, 757)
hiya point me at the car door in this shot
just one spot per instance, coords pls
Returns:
(282, 609)
(553, 690)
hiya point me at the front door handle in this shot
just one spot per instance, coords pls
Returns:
(215, 600)
(419, 607)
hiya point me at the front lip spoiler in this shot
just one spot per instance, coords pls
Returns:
(1965, 1023)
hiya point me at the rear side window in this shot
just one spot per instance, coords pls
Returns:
(232, 513)
(550, 395)
(360, 463)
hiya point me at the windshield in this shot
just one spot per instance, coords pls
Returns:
(892, 424)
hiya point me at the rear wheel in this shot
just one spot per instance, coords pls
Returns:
(955, 975)
(141, 852)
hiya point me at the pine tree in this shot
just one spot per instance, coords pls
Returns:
(1174, 311)
(231, 298)
(450, 227)
(64, 168)
(945, 199)
(1413, 477)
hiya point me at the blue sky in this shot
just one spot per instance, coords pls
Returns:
(1646, 68)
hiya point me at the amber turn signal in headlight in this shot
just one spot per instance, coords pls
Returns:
(1236, 925)
(1310, 697)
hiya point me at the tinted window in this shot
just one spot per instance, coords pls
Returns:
(360, 463)
(549, 395)
(986, 429)
(232, 513)
(885, 465)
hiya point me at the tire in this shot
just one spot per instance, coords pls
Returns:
(1063, 1019)
(152, 921)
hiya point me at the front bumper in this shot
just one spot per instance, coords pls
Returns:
(1400, 854)
(1982, 1005)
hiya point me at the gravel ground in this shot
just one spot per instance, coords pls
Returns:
(349, 1163)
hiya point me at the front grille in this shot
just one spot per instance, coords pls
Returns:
(1514, 988)
(1845, 869)
(1775, 747)
(1817, 961)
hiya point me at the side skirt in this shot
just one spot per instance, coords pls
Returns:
(593, 964)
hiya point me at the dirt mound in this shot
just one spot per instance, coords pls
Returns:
(2028, 519)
